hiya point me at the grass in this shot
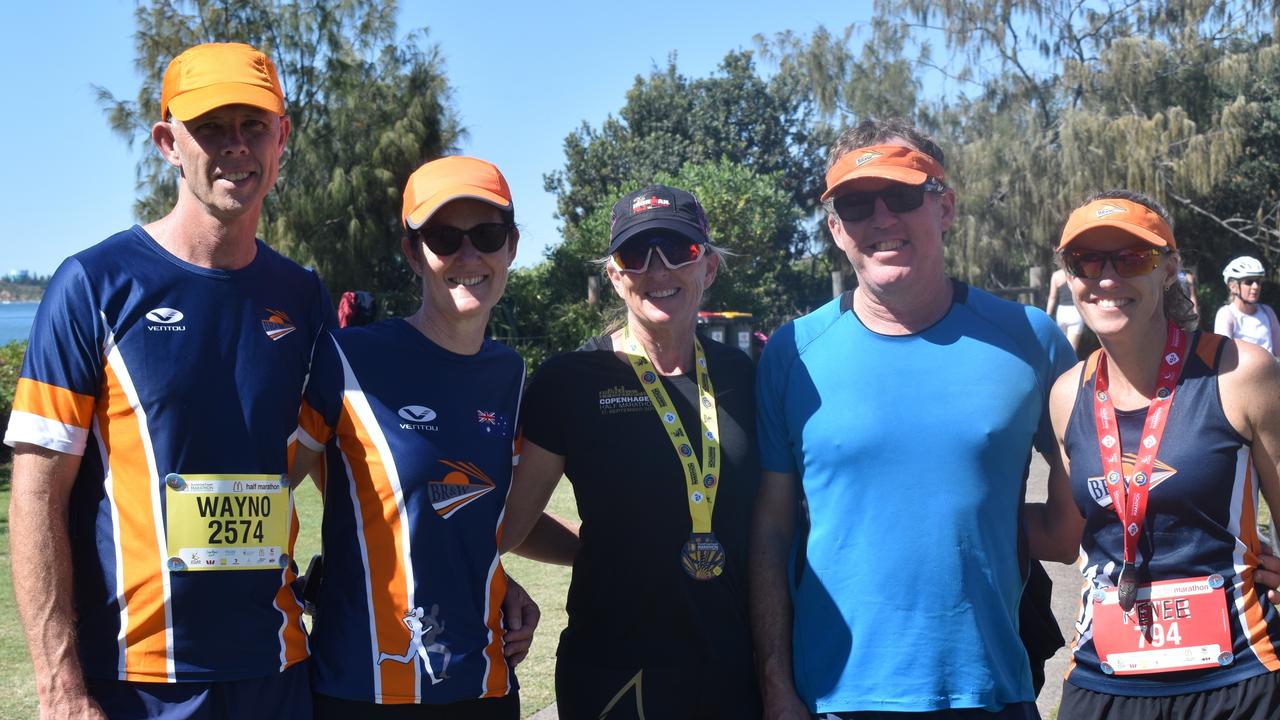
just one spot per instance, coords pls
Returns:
(546, 583)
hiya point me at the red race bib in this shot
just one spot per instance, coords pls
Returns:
(1174, 625)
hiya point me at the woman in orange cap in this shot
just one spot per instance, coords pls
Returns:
(417, 416)
(1168, 434)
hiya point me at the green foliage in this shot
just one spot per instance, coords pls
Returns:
(11, 354)
(747, 147)
(1049, 100)
(366, 111)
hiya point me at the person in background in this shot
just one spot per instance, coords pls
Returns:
(1245, 317)
(1063, 309)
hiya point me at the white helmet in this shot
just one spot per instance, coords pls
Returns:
(1243, 267)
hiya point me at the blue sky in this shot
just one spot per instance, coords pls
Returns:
(524, 75)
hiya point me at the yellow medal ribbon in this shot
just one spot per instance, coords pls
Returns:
(702, 478)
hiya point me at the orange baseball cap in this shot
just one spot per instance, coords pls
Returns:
(1113, 214)
(212, 75)
(452, 178)
(896, 163)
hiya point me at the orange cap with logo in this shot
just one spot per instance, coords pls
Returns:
(452, 178)
(1113, 215)
(212, 75)
(895, 163)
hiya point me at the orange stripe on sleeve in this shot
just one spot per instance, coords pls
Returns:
(384, 540)
(53, 402)
(312, 423)
(496, 680)
(146, 649)
(295, 639)
(1253, 621)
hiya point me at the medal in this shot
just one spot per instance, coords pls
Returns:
(702, 557)
(1128, 586)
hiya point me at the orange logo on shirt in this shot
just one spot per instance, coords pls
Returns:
(277, 324)
(460, 487)
(1160, 471)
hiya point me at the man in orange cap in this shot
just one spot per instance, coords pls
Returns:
(152, 519)
(900, 417)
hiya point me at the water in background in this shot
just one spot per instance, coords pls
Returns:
(15, 320)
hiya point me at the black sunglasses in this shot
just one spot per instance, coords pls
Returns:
(1250, 281)
(676, 252)
(898, 198)
(1130, 262)
(446, 239)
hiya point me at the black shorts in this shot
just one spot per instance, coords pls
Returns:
(332, 708)
(1257, 698)
(591, 692)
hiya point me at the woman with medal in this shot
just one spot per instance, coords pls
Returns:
(1169, 434)
(415, 417)
(654, 427)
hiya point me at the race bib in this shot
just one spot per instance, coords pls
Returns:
(1174, 625)
(227, 522)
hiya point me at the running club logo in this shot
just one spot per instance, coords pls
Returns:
(865, 158)
(277, 324)
(424, 641)
(462, 485)
(1108, 209)
(1160, 472)
(166, 320)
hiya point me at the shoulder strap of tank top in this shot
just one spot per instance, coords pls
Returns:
(1090, 367)
(1209, 348)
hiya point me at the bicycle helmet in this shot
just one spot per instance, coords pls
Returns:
(1242, 267)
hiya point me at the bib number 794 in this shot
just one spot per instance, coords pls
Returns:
(1155, 635)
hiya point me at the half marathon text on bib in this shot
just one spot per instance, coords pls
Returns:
(227, 522)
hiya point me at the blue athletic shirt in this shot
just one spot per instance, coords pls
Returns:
(420, 448)
(913, 452)
(146, 365)
(1201, 520)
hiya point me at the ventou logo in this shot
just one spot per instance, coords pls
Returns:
(165, 320)
(417, 413)
(168, 316)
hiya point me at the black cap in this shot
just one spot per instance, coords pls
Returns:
(657, 207)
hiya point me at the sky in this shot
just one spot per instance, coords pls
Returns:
(525, 74)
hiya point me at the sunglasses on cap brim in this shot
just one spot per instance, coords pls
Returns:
(898, 198)
(446, 240)
(675, 251)
(1128, 263)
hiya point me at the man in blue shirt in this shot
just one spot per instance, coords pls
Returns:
(896, 424)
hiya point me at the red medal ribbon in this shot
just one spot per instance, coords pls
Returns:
(1129, 500)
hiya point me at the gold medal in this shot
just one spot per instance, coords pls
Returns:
(703, 557)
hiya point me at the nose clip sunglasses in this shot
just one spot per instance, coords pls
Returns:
(676, 252)
(446, 240)
(1130, 262)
